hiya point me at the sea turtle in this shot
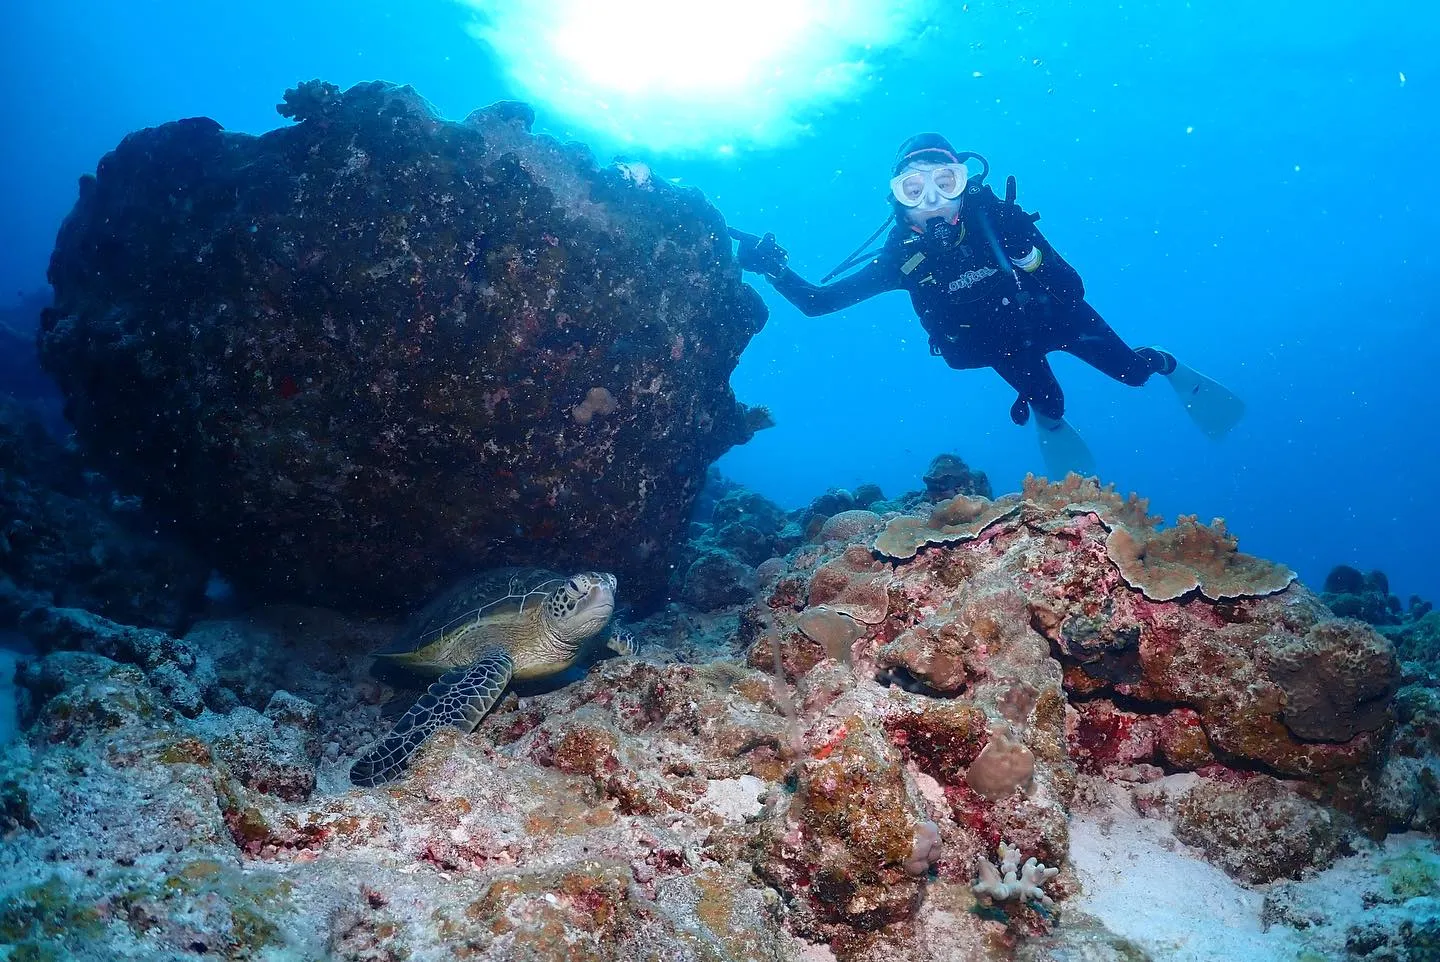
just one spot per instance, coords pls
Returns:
(509, 623)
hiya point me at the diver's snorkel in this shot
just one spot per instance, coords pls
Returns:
(860, 255)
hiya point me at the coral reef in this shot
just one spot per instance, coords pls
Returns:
(1409, 933)
(1011, 880)
(317, 349)
(1417, 638)
(1409, 784)
(1414, 628)
(1402, 921)
(816, 766)
(1409, 789)
(949, 475)
(1259, 831)
(1367, 597)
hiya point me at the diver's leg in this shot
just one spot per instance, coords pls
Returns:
(1214, 408)
(1034, 381)
(1061, 446)
(1086, 335)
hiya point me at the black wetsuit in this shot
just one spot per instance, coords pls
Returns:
(981, 311)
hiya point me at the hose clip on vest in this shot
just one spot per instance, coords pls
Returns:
(1030, 262)
(999, 250)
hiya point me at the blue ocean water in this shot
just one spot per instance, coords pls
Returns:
(1249, 186)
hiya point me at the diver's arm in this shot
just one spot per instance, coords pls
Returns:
(1031, 253)
(813, 300)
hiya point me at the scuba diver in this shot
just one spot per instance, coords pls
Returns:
(990, 291)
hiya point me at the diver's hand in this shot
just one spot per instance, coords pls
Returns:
(1020, 411)
(1017, 233)
(760, 254)
(1012, 219)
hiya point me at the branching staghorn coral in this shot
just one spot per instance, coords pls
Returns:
(1011, 880)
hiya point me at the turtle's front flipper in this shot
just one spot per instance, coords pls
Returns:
(622, 642)
(461, 698)
(399, 704)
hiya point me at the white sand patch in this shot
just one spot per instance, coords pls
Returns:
(1148, 887)
(734, 799)
(1145, 886)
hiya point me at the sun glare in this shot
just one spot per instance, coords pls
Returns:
(676, 75)
(674, 50)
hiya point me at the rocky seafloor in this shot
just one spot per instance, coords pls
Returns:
(814, 755)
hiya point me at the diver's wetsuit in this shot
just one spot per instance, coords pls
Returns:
(980, 312)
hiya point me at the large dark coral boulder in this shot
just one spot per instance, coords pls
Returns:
(360, 354)
(1367, 597)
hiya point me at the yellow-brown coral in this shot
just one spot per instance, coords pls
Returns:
(597, 401)
(1164, 564)
(958, 519)
(1169, 564)
(853, 584)
(833, 629)
(1003, 766)
(1078, 495)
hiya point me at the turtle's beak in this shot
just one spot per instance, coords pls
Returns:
(600, 599)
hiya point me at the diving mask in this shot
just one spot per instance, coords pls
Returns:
(931, 186)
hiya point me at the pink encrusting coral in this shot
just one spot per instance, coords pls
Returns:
(825, 770)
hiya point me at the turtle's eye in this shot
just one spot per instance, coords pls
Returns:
(573, 587)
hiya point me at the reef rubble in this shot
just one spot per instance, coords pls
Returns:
(819, 767)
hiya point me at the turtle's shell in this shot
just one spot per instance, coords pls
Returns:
(500, 606)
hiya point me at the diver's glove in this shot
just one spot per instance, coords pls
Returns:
(1020, 411)
(1014, 224)
(760, 254)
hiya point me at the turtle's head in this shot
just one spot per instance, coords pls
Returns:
(582, 606)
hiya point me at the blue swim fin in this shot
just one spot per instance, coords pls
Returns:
(1063, 449)
(1213, 407)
